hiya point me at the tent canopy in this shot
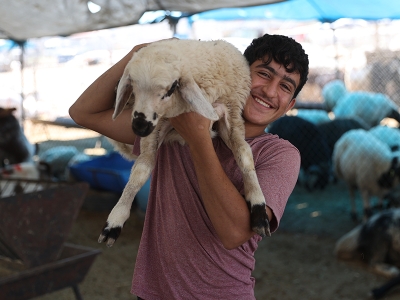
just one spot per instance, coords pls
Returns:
(22, 19)
(321, 10)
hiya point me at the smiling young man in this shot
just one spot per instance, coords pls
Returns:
(197, 242)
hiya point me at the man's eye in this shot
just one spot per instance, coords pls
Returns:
(286, 87)
(263, 74)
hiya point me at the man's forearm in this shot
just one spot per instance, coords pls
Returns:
(224, 204)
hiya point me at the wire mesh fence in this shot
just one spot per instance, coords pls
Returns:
(354, 84)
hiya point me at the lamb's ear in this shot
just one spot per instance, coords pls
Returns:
(124, 92)
(192, 93)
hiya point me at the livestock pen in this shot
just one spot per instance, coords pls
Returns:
(35, 220)
(300, 254)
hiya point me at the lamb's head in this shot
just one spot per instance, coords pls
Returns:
(161, 89)
(144, 120)
(155, 92)
(151, 105)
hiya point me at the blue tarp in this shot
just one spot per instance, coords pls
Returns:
(321, 10)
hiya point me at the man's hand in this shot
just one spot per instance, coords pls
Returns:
(193, 127)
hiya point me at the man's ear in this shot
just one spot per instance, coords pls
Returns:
(290, 105)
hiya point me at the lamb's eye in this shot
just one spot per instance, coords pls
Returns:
(171, 90)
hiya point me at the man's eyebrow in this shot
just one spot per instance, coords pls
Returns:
(272, 70)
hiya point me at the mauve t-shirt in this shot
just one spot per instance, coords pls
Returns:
(180, 255)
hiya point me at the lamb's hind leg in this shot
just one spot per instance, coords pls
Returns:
(254, 197)
(140, 172)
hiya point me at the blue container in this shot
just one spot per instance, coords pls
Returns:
(110, 173)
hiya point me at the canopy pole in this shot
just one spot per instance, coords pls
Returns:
(22, 66)
(377, 44)
(335, 43)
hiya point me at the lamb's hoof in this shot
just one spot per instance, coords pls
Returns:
(109, 234)
(259, 220)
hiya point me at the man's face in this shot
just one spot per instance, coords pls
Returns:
(271, 96)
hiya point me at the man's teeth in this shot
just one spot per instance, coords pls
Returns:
(262, 103)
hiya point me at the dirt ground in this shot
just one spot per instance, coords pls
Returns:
(295, 263)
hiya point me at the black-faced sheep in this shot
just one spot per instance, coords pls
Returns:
(169, 78)
(367, 164)
(312, 145)
(377, 242)
(14, 146)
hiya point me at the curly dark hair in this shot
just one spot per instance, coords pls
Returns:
(283, 50)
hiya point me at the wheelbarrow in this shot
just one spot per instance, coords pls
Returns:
(34, 225)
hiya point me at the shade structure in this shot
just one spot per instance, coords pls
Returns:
(321, 10)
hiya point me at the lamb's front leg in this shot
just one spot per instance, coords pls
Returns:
(140, 172)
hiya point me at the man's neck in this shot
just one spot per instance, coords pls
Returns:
(252, 130)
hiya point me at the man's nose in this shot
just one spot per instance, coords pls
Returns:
(271, 90)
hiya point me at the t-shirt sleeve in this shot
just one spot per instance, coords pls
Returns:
(277, 167)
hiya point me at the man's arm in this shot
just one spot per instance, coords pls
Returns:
(224, 204)
(94, 108)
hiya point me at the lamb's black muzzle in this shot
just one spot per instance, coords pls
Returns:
(142, 127)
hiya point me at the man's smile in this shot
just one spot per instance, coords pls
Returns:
(258, 100)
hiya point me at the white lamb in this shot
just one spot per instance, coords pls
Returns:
(372, 108)
(367, 164)
(168, 78)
